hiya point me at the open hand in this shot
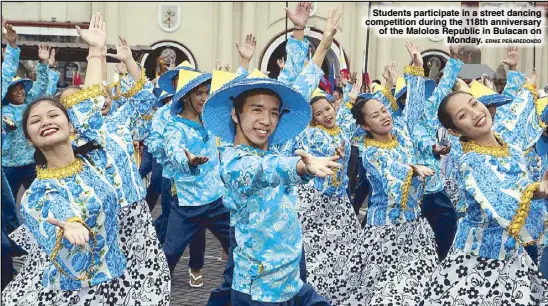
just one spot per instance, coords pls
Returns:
(95, 36)
(123, 52)
(355, 92)
(415, 54)
(422, 171)
(74, 232)
(353, 77)
(318, 166)
(9, 123)
(194, 160)
(10, 36)
(512, 57)
(390, 74)
(43, 53)
(300, 15)
(247, 49)
(333, 22)
(51, 60)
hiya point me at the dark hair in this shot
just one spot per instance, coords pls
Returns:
(357, 110)
(443, 114)
(39, 157)
(339, 89)
(401, 100)
(239, 101)
(376, 81)
(318, 98)
(11, 89)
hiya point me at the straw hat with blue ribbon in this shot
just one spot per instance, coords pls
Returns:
(165, 81)
(217, 112)
(188, 80)
(486, 95)
(17, 80)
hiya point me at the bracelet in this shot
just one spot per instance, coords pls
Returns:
(298, 29)
(99, 56)
(58, 242)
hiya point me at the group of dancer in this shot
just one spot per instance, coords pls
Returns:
(262, 163)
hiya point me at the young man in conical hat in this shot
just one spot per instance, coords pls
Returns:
(253, 114)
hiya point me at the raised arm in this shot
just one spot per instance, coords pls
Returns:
(40, 86)
(296, 48)
(309, 78)
(445, 85)
(138, 111)
(246, 50)
(11, 57)
(519, 122)
(53, 75)
(414, 79)
(84, 105)
(95, 37)
(345, 120)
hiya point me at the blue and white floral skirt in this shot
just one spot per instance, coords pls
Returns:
(396, 265)
(331, 233)
(146, 280)
(465, 279)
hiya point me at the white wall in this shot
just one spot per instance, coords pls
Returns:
(208, 30)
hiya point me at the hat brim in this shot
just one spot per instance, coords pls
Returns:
(295, 116)
(429, 86)
(165, 81)
(177, 104)
(494, 100)
(27, 83)
(159, 102)
(366, 96)
(157, 91)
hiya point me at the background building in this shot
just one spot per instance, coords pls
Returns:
(204, 33)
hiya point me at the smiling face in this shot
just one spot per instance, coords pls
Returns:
(47, 125)
(257, 120)
(324, 113)
(17, 94)
(469, 117)
(377, 118)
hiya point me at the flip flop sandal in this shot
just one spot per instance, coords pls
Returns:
(195, 282)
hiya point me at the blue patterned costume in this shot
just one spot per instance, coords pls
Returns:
(17, 151)
(268, 231)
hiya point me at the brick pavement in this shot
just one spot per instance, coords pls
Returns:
(181, 292)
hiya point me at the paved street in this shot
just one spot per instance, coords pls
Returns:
(181, 292)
